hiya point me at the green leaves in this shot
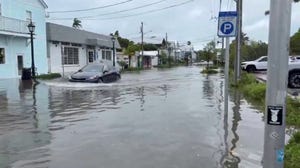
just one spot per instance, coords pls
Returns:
(76, 23)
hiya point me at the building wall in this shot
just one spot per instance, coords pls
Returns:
(15, 45)
(154, 61)
(55, 51)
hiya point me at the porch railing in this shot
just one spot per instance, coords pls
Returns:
(13, 25)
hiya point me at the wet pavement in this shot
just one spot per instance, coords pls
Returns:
(157, 118)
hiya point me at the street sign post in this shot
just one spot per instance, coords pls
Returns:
(227, 28)
(227, 24)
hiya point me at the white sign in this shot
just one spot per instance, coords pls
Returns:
(227, 24)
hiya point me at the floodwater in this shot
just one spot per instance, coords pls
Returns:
(153, 119)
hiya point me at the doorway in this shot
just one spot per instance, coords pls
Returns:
(20, 64)
(91, 55)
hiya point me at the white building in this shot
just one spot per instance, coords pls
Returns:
(150, 58)
(15, 48)
(69, 49)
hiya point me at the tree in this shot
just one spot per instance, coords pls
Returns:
(130, 51)
(122, 41)
(164, 43)
(77, 23)
(150, 47)
(210, 52)
(295, 43)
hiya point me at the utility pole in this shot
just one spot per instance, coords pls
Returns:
(278, 51)
(168, 49)
(237, 59)
(142, 44)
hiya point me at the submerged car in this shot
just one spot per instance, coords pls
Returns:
(96, 73)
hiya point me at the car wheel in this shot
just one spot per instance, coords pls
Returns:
(294, 80)
(250, 68)
(118, 77)
(99, 80)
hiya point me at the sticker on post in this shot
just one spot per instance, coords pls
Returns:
(280, 155)
(275, 115)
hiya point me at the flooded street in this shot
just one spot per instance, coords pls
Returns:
(169, 118)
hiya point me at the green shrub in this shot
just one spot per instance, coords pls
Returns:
(49, 76)
(214, 67)
(293, 112)
(209, 71)
(292, 152)
(255, 91)
(246, 79)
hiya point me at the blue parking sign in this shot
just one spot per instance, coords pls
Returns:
(227, 24)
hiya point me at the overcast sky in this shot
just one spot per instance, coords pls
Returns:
(183, 20)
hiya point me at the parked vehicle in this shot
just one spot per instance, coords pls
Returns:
(294, 74)
(259, 64)
(97, 73)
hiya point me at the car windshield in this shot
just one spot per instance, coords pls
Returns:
(92, 68)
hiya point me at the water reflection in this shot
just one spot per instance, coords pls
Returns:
(208, 87)
(67, 105)
(229, 158)
(233, 160)
(172, 122)
(24, 135)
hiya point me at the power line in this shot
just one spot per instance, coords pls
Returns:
(147, 12)
(137, 14)
(88, 9)
(115, 12)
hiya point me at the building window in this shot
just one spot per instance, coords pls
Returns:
(2, 56)
(106, 54)
(71, 56)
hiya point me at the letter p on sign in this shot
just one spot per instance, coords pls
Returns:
(227, 27)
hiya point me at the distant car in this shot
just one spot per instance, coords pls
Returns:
(260, 64)
(96, 73)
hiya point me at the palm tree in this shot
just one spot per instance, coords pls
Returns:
(77, 23)
(130, 51)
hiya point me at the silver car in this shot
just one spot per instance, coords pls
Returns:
(96, 73)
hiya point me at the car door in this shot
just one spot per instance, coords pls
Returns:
(262, 64)
(106, 74)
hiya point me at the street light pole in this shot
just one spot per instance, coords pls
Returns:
(31, 28)
(142, 43)
(114, 52)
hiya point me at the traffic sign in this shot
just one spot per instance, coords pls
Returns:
(227, 24)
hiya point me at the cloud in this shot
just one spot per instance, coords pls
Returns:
(261, 24)
(195, 13)
(189, 22)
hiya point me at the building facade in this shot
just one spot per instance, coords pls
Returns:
(69, 49)
(15, 49)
